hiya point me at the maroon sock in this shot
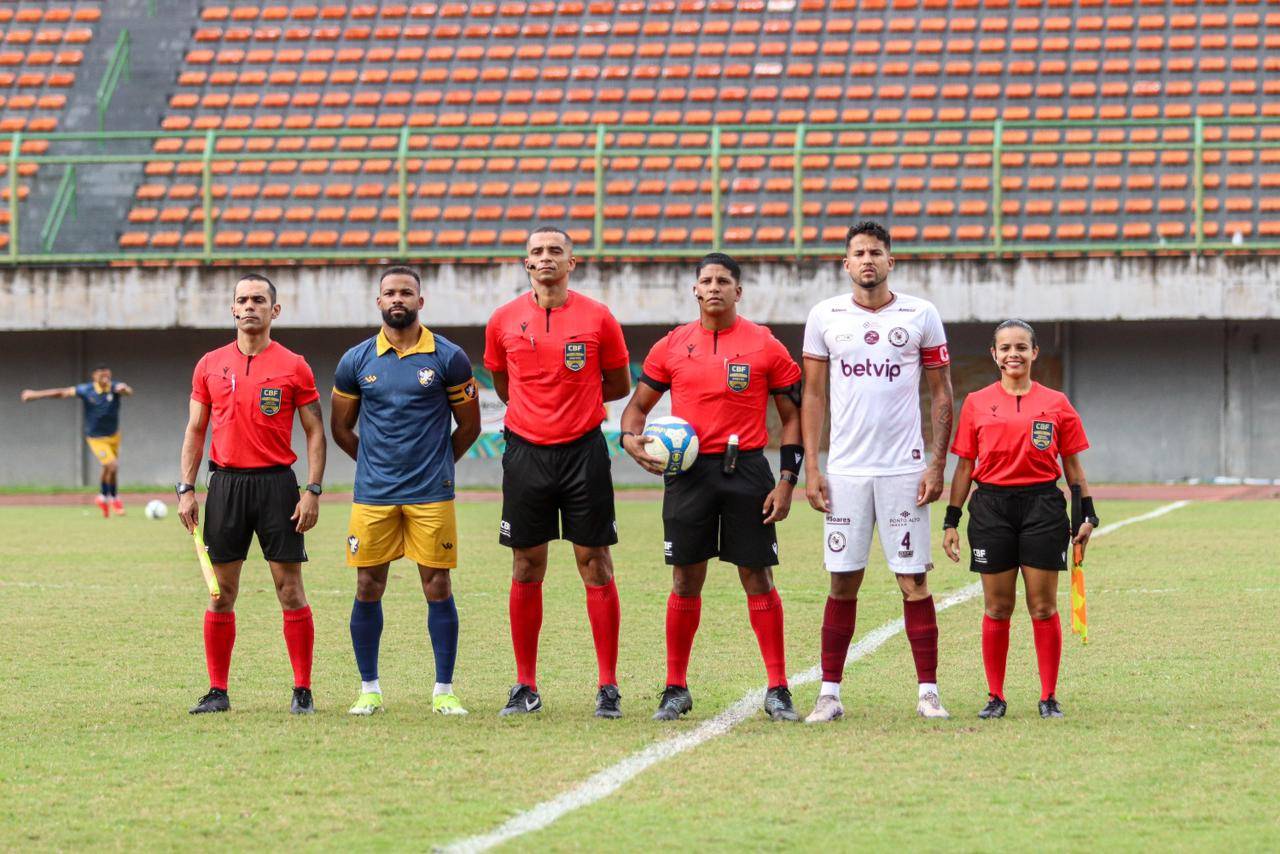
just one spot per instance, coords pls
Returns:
(683, 615)
(1048, 635)
(300, 640)
(922, 632)
(765, 611)
(995, 653)
(219, 639)
(605, 615)
(837, 631)
(525, 604)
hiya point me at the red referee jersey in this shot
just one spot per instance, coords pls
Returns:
(1017, 439)
(554, 358)
(720, 382)
(252, 399)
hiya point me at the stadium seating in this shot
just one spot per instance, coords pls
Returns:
(506, 77)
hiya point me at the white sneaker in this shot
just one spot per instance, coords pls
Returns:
(931, 707)
(827, 709)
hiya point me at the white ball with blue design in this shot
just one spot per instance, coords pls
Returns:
(673, 442)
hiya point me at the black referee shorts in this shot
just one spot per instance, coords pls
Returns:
(554, 491)
(707, 513)
(1012, 526)
(244, 502)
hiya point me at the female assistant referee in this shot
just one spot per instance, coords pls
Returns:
(1010, 437)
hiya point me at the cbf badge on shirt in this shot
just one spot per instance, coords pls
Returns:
(1041, 435)
(739, 376)
(425, 376)
(269, 401)
(575, 355)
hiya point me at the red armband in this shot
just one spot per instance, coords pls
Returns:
(935, 357)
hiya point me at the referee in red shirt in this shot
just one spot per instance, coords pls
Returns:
(556, 357)
(721, 371)
(250, 390)
(1010, 437)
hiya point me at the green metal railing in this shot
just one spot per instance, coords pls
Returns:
(64, 201)
(600, 144)
(119, 65)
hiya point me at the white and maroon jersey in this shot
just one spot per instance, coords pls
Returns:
(875, 361)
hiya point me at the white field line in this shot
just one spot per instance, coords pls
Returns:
(604, 783)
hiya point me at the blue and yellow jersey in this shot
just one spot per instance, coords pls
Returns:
(101, 409)
(406, 416)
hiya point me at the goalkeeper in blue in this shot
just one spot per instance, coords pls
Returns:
(396, 397)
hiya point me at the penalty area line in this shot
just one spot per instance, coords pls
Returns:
(604, 783)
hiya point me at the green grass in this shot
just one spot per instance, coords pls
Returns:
(1170, 740)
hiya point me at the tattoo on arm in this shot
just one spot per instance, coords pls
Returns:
(314, 408)
(941, 431)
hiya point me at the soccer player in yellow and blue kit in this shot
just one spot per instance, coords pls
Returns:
(401, 390)
(101, 396)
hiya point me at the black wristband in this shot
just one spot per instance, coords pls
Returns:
(791, 456)
(952, 519)
(1086, 510)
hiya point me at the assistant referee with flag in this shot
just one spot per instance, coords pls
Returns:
(1009, 440)
(249, 390)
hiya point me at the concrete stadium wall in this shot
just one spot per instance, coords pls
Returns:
(777, 292)
(1160, 400)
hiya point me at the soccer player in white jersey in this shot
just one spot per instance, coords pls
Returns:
(865, 352)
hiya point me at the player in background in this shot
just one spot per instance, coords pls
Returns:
(403, 388)
(1009, 439)
(865, 351)
(721, 371)
(249, 391)
(101, 398)
(556, 357)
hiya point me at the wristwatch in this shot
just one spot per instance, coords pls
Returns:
(789, 476)
(314, 489)
(183, 488)
(1092, 520)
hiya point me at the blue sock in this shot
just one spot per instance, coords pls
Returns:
(442, 625)
(112, 487)
(104, 488)
(366, 635)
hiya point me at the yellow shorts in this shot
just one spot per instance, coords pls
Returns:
(105, 448)
(425, 533)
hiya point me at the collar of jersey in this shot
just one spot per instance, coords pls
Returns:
(426, 344)
(102, 389)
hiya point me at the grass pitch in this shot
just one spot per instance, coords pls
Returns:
(1170, 740)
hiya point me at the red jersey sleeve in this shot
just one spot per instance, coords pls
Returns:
(305, 382)
(783, 370)
(965, 443)
(613, 347)
(1071, 437)
(495, 356)
(199, 388)
(655, 364)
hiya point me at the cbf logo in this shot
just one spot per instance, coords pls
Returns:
(575, 355)
(426, 376)
(1041, 435)
(739, 376)
(269, 401)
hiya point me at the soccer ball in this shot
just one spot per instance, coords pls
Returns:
(156, 509)
(672, 442)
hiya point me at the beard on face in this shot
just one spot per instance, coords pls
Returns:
(403, 321)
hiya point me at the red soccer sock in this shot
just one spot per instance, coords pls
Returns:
(300, 640)
(219, 639)
(995, 653)
(837, 631)
(1048, 635)
(525, 605)
(922, 632)
(605, 614)
(765, 611)
(683, 615)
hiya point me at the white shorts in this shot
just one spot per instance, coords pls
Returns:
(887, 502)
